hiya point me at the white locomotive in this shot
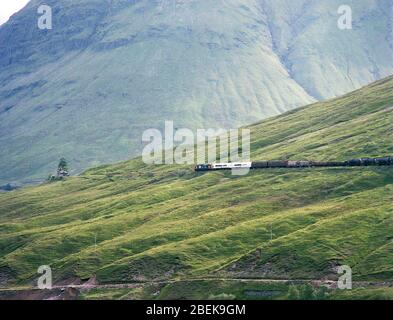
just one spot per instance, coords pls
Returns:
(223, 166)
(233, 165)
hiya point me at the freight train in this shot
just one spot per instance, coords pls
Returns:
(384, 161)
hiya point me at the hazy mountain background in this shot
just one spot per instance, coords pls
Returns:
(109, 69)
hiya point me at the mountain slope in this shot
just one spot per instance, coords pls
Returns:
(131, 222)
(109, 69)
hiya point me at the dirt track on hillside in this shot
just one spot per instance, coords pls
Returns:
(71, 291)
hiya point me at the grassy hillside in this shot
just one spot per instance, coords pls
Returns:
(132, 222)
(229, 290)
(110, 69)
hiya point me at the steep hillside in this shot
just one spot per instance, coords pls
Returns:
(109, 69)
(132, 222)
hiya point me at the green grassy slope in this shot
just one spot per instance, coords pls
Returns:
(131, 222)
(229, 290)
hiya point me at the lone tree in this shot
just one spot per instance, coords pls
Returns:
(63, 164)
(62, 168)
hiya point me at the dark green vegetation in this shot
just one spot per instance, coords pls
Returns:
(109, 69)
(133, 222)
